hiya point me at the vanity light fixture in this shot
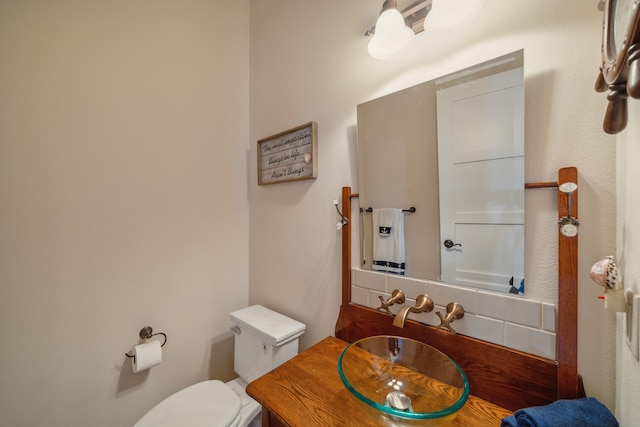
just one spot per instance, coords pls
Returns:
(568, 224)
(395, 28)
(391, 34)
(448, 14)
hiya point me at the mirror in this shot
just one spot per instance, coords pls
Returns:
(453, 149)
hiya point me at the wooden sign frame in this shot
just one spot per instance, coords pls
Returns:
(291, 155)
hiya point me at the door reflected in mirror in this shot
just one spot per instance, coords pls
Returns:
(453, 148)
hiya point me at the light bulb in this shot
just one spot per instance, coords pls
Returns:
(391, 35)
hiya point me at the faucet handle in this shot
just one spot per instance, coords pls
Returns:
(454, 311)
(397, 297)
(424, 303)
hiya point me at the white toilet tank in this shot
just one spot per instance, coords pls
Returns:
(264, 340)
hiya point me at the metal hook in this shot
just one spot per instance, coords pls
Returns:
(343, 219)
(568, 224)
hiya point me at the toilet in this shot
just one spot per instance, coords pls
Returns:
(264, 340)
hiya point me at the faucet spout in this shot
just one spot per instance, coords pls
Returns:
(398, 321)
(423, 304)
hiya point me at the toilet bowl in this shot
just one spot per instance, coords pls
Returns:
(264, 340)
(208, 403)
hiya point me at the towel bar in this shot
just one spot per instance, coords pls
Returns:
(410, 210)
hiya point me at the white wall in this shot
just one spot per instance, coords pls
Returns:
(628, 253)
(309, 62)
(123, 156)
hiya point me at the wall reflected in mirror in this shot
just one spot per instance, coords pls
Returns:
(453, 148)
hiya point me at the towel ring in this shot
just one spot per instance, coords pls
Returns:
(146, 333)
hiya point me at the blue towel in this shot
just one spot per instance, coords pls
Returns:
(586, 412)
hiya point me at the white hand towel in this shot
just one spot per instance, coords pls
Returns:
(388, 241)
(385, 221)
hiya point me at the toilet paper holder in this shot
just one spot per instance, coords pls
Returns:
(145, 334)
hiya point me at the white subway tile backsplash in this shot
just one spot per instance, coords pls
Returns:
(411, 287)
(370, 280)
(530, 340)
(510, 309)
(360, 296)
(501, 319)
(549, 321)
(483, 328)
(444, 294)
(374, 298)
(427, 318)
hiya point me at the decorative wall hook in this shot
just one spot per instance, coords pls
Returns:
(568, 224)
(343, 219)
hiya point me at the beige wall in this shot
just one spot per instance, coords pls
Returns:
(309, 62)
(123, 157)
(126, 142)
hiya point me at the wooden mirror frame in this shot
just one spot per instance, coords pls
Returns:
(620, 69)
(509, 378)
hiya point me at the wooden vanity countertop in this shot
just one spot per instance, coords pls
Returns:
(307, 391)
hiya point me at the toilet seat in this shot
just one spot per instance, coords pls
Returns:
(208, 403)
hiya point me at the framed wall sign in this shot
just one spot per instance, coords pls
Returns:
(288, 156)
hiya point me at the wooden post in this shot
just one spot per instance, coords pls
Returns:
(346, 246)
(567, 333)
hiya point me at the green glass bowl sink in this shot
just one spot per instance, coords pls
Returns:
(404, 380)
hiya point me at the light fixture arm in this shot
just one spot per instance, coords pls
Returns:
(413, 15)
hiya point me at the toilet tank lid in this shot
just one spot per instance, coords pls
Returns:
(275, 328)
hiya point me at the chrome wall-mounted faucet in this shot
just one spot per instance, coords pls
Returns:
(397, 297)
(424, 304)
(454, 311)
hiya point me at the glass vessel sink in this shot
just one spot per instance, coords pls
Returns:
(405, 380)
